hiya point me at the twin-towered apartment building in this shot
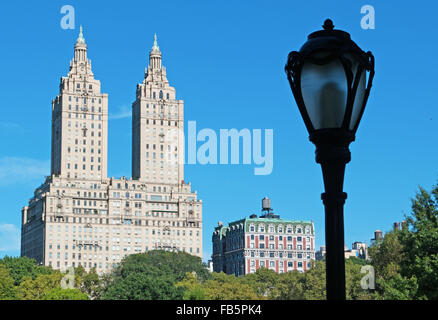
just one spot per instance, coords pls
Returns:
(79, 216)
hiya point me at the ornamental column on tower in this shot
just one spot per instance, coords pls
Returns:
(80, 122)
(157, 127)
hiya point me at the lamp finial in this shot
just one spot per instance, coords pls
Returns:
(328, 25)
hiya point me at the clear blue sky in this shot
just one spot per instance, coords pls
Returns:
(226, 60)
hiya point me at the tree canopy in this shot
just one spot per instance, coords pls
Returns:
(153, 275)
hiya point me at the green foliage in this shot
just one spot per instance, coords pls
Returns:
(386, 255)
(193, 290)
(406, 261)
(314, 282)
(21, 267)
(65, 294)
(420, 244)
(267, 284)
(7, 288)
(289, 287)
(220, 287)
(358, 261)
(263, 281)
(36, 289)
(396, 288)
(153, 275)
(353, 277)
(90, 283)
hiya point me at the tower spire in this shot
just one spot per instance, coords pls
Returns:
(155, 55)
(81, 38)
(81, 48)
(155, 47)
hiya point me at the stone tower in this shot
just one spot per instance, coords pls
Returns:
(80, 122)
(157, 127)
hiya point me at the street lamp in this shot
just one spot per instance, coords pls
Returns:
(331, 78)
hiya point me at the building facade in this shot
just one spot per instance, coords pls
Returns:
(267, 241)
(358, 250)
(79, 216)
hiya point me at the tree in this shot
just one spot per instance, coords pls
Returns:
(152, 275)
(91, 284)
(263, 281)
(420, 244)
(21, 267)
(289, 287)
(313, 282)
(396, 288)
(7, 288)
(221, 286)
(406, 261)
(353, 277)
(36, 289)
(386, 255)
(64, 294)
(193, 289)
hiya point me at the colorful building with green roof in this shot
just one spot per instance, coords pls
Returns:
(267, 241)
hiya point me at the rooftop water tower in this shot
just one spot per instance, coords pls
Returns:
(266, 207)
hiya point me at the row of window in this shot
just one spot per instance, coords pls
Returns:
(84, 116)
(99, 100)
(85, 108)
(280, 238)
(280, 229)
(169, 123)
(289, 255)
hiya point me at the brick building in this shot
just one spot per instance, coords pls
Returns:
(267, 241)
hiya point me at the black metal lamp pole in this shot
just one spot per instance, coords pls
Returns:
(328, 80)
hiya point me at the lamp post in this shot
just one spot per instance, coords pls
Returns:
(331, 78)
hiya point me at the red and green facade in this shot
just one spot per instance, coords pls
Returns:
(246, 245)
